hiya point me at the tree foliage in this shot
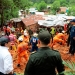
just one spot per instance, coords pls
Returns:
(42, 5)
(5, 6)
(9, 8)
(21, 4)
(55, 6)
(72, 2)
(63, 3)
(71, 11)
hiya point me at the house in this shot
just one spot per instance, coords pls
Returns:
(63, 9)
(31, 22)
(17, 22)
(39, 13)
(32, 10)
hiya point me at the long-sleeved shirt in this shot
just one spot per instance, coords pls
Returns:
(72, 33)
(6, 62)
(44, 62)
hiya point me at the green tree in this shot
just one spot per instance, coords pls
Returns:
(47, 1)
(42, 5)
(21, 4)
(72, 2)
(71, 11)
(63, 3)
(55, 6)
(5, 5)
(35, 5)
(31, 3)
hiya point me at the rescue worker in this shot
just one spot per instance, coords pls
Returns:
(34, 42)
(25, 37)
(52, 32)
(22, 51)
(45, 61)
(72, 37)
(59, 38)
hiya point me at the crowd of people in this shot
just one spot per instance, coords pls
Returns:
(43, 60)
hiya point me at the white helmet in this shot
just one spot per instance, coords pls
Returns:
(35, 34)
(25, 33)
(20, 39)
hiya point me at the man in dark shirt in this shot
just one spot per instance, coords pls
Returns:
(69, 26)
(45, 61)
(72, 37)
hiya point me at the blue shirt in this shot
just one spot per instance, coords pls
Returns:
(72, 33)
(34, 41)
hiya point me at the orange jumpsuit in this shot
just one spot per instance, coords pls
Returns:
(22, 51)
(25, 38)
(60, 37)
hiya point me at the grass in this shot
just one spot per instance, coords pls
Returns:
(71, 68)
(19, 73)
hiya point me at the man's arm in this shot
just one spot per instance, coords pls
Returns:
(60, 65)
(8, 64)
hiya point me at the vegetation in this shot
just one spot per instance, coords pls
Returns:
(9, 8)
(70, 68)
(19, 74)
(42, 6)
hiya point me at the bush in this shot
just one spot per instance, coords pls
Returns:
(70, 67)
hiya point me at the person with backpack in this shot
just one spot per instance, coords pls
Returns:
(34, 42)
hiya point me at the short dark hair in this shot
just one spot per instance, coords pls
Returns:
(73, 20)
(4, 40)
(44, 36)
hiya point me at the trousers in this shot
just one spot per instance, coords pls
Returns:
(7, 74)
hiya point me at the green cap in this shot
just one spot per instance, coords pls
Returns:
(44, 36)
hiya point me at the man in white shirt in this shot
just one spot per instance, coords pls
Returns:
(6, 62)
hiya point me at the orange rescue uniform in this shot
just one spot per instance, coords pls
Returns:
(60, 37)
(22, 51)
(25, 38)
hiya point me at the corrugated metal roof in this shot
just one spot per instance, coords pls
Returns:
(32, 19)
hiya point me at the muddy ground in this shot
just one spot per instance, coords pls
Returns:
(63, 49)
